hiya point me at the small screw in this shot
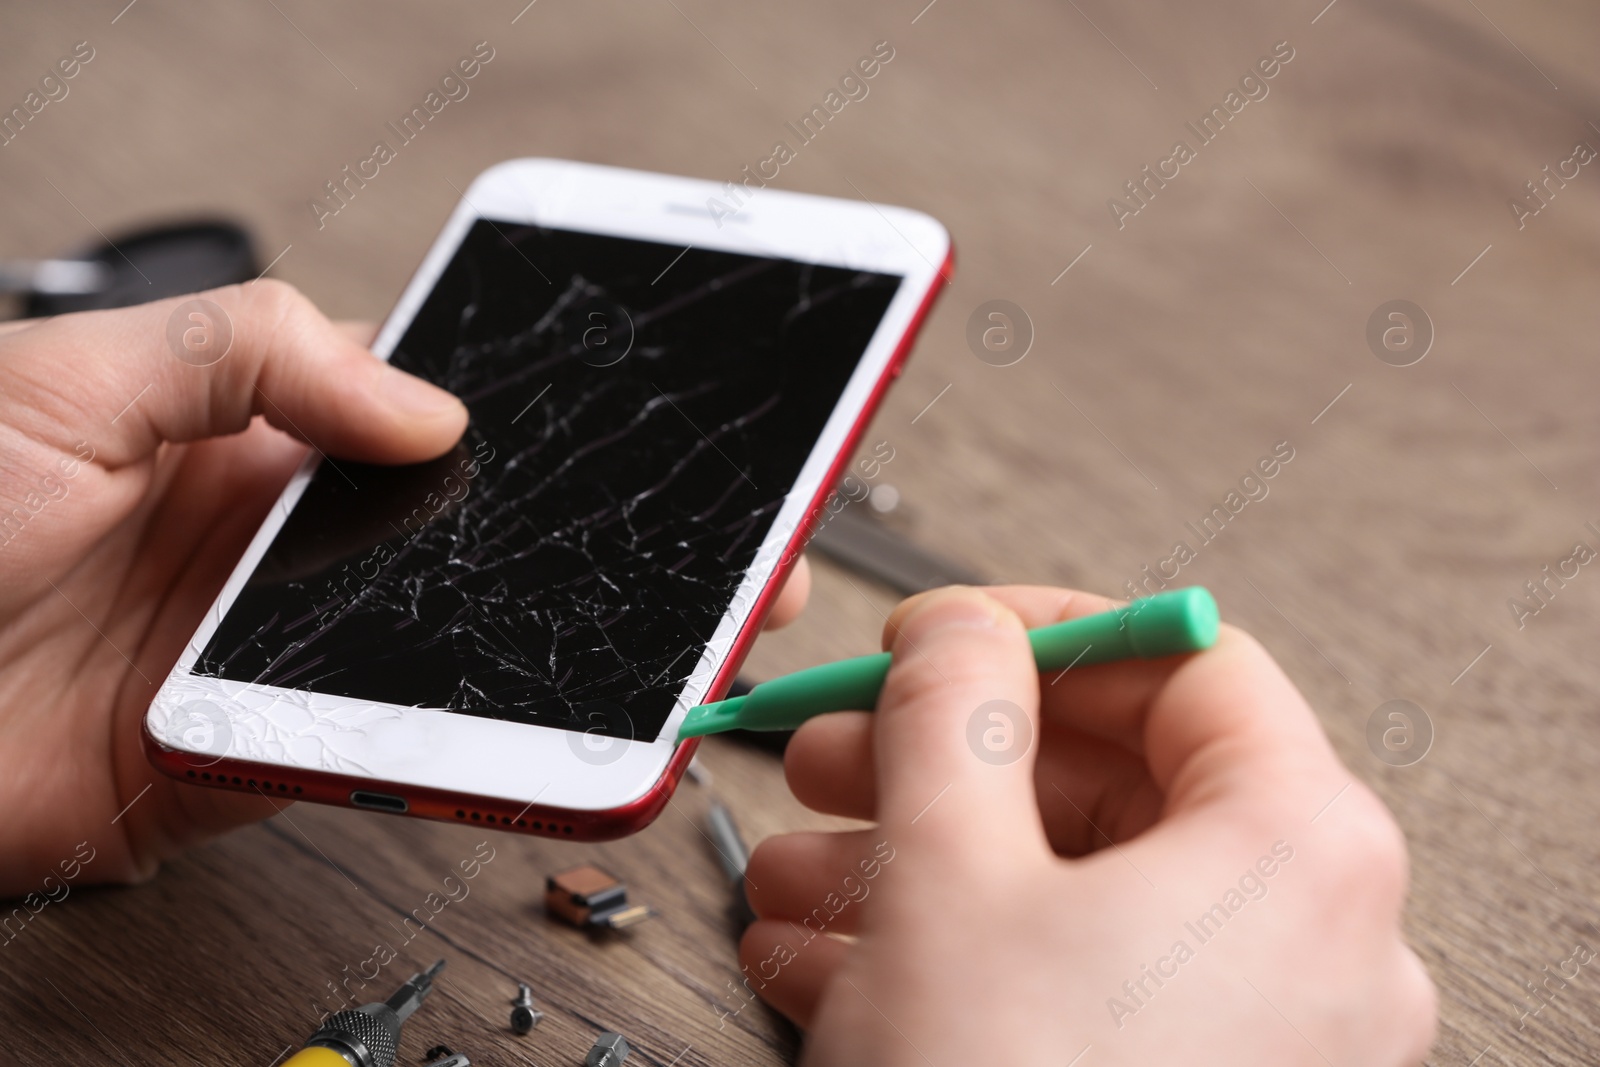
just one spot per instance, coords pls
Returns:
(609, 1050)
(524, 1016)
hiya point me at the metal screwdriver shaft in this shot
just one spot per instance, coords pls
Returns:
(368, 1036)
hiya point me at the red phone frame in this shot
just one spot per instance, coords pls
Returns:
(323, 787)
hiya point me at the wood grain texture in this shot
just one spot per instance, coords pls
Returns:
(1179, 349)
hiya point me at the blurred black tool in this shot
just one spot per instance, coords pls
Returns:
(144, 265)
(857, 541)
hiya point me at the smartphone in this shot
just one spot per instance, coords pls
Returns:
(666, 377)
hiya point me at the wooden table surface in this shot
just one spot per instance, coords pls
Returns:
(1228, 315)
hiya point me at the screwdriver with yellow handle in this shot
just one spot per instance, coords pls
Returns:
(368, 1036)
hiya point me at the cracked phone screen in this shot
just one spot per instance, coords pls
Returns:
(639, 413)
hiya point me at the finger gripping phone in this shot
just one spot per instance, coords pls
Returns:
(661, 394)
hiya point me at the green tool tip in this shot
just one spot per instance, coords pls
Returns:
(711, 718)
(1184, 620)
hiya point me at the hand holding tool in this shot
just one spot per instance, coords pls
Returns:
(1183, 620)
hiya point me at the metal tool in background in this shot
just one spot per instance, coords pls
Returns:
(368, 1036)
(733, 856)
(856, 541)
(53, 277)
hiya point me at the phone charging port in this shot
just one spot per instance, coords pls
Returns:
(379, 802)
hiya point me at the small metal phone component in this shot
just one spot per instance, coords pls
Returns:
(592, 898)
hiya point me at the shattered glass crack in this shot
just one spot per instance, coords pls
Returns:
(568, 560)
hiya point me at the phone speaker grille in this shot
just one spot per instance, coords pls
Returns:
(245, 783)
(538, 826)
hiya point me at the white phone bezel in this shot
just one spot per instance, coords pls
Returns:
(517, 762)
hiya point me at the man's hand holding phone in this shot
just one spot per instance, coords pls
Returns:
(1149, 860)
(133, 479)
